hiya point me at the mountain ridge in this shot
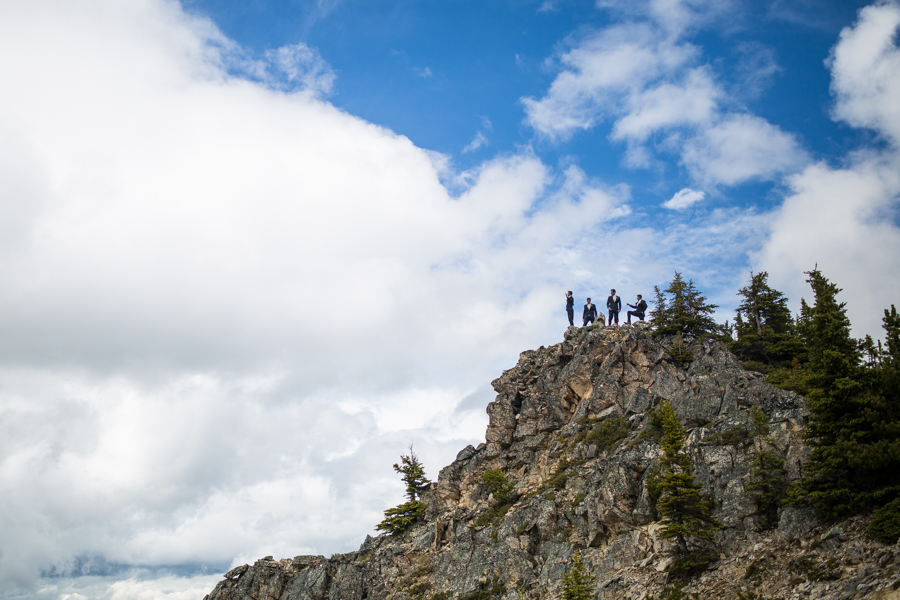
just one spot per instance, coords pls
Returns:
(570, 429)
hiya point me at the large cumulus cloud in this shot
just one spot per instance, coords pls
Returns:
(844, 218)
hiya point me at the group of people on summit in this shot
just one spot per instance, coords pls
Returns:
(613, 305)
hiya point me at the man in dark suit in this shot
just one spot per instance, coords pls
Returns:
(570, 307)
(590, 313)
(639, 309)
(614, 304)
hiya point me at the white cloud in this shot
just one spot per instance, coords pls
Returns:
(477, 142)
(228, 306)
(865, 68)
(742, 147)
(684, 198)
(301, 67)
(844, 219)
(691, 102)
(223, 298)
(424, 73)
(599, 73)
(644, 79)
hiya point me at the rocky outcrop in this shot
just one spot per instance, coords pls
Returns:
(569, 428)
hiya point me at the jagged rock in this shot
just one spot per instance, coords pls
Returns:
(550, 407)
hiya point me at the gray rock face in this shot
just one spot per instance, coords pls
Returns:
(577, 492)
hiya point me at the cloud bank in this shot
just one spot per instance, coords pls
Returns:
(228, 305)
(845, 218)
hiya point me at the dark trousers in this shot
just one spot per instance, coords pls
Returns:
(613, 315)
(571, 313)
(639, 315)
(588, 320)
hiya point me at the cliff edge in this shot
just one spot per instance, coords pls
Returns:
(570, 429)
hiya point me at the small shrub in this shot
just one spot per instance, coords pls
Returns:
(559, 478)
(768, 484)
(676, 592)
(576, 582)
(418, 590)
(493, 514)
(885, 525)
(486, 592)
(608, 433)
(733, 436)
(760, 421)
(501, 489)
(497, 484)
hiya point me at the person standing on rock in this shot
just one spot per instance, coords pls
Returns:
(639, 309)
(590, 313)
(570, 308)
(614, 304)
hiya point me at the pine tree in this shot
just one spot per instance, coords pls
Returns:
(400, 518)
(685, 513)
(766, 335)
(686, 312)
(576, 583)
(854, 426)
(768, 477)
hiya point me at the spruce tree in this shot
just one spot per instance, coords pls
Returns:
(400, 518)
(576, 583)
(854, 425)
(768, 478)
(767, 340)
(685, 513)
(685, 312)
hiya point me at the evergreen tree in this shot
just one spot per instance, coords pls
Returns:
(854, 426)
(576, 583)
(768, 477)
(686, 514)
(400, 518)
(685, 312)
(766, 336)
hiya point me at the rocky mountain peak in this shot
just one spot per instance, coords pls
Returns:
(571, 442)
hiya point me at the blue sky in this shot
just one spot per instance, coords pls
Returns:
(438, 73)
(252, 250)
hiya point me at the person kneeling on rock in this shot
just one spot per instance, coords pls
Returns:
(639, 309)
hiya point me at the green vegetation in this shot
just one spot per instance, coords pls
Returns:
(497, 484)
(400, 518)
(685, 513)
(684, 312)
(501, 488)
(885, 524)
(675, 592)
(576, 582)
(733, 436)
(560, 477)
(486, 592)
(767, 340)
(605, 434)
(854, 425)
(768, 477)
